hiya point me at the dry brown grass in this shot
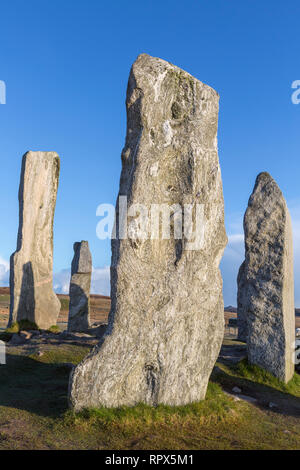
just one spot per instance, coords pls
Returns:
(100, 306)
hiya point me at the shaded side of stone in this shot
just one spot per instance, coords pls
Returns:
(81, 271)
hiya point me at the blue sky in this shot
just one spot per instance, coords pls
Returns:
(66, 64)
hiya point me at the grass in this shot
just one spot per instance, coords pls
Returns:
(214, 408)
(22, 325)
(34, 411)
(4, 297)
(64, 303)
(59, 356)
(13, 328)
(261, 376)
(16, 327)
(54, 329)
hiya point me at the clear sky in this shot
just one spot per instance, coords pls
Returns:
(66, 64)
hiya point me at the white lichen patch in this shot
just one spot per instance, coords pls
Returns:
(157, 85)
(168, 133)
(154, 169)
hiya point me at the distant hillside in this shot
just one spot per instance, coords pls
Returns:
(230, 308)
(5, 291)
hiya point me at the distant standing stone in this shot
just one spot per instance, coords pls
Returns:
(31, 279)
(81, 272)
(166, 323)
(241, 304)
(266, 280)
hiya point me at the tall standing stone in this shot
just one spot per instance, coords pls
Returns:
(80, 285)
(31, 293)
(166, 322)
(266, 283)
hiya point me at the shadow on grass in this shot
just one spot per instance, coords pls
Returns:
(40, 386)
(37, 387)
(253, 382)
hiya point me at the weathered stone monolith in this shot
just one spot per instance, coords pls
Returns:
(80, 285)
(266, 281)
(241, 303)
(31, 293)
(166, 322)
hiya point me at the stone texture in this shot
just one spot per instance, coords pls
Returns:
(80, 285)
(31, 292)
(266, 281)
(166, 322)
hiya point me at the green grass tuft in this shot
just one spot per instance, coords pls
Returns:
(22, 325)
(259, 375)
(70, 354)
(216, 407)
(13, 328)
(54, 329)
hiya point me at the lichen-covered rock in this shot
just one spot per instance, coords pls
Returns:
(166, 322)
(266, 286)
(80, 285)
(31, 292)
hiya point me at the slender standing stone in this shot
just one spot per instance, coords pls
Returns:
(166, 322)
(31, 293)
(241, 302)
(266, 286)
(80, 285)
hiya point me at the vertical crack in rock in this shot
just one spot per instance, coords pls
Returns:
(152, 383)
(266, 314)
(166, 321)
(80, 285)
(31, 291)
